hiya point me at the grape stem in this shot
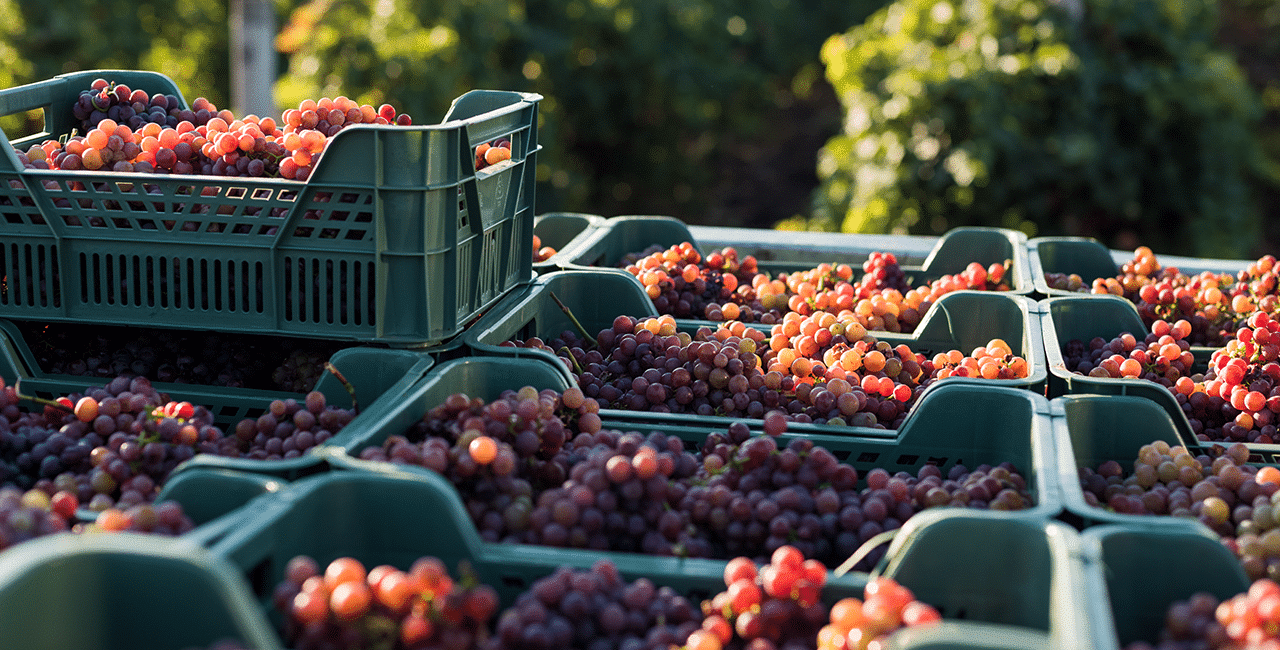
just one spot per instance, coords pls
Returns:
(17, 388)
(863, 551)
(572, 360)
(333, 370)
(567, 312)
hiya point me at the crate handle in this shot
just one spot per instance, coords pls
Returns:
(19, 100)
(865, 550)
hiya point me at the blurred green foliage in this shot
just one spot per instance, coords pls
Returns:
(1119, 119)
(642, 99)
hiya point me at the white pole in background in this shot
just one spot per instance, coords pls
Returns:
(253, 58)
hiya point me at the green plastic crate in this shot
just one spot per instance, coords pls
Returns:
(395, 516)
(993, 569)
(620, 236)
(1089, 259)
(954, 250)
(565, 232)
(209, 493)
(962, 320)
(1092, 429)
(955, 421)
(951, 254)
(1083, 256)
(394, 238)
(595, 297)
(378, 375)
(124, 591)
(1132, 578)
(1068, 318)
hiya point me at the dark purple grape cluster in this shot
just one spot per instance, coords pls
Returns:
(108, 446)
(880, 272)
(632, 367)
(1190, 624)
(106, 100)
(595, 609)
(528, 429)
(755, 497)
(623, 493)
(287, 430)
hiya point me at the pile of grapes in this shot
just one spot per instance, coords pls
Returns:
(349, 606)
(777, 606)
(1237, 500)
(1236, 399)
(813, 369)
(722, 287)
(37, 512)
(131, 130)
(115, 445)
(1247, 621)
(769, 607)
(537, 467)
(595, 608)
(180, 357)
(1215, 304)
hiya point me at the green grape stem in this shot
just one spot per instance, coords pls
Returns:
(568, 312)
(17, 387)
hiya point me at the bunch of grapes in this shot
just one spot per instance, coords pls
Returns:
(126, 130)
(499, 455)
(492, 153)
(595, 609)
(777, 606)
(1237, 500)
(866, 623)
(287, 430)
(623, 493)
(723, 288)
(117, 102)
(684, 284)
(753, 497)
(880, 272)
(348, 606)
(1247, 621)
(111, 446)
(824, 347)
(1163, 356)
(1235, 400)
(1244, 375)
(306, 129)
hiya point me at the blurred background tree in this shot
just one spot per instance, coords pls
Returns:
(714, 111)
(1120, 119)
